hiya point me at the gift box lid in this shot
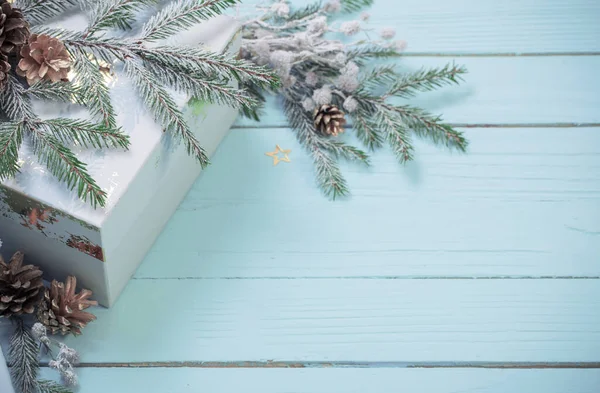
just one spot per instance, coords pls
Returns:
(114, 169)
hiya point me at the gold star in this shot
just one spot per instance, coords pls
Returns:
(274, 154)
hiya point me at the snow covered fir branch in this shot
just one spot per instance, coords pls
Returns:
(38, 62)
(335, 76)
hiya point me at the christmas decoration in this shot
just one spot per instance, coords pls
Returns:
(324, 68)
(329, 120)
(153, 68)
(44, 58)
(275, 155)
(14, 29)
(61, 309)
(20, 286)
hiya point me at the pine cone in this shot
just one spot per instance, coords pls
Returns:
(4, 70)
(61, 309)
(45, 58)
(20, 286)
(14, 29)
(329, 120)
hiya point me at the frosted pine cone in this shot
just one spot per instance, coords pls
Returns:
(61, 309)
(329, 120)
(20, 286)
(14, 29)
(44, 58)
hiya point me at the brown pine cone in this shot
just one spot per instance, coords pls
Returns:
(44, 57)
(329, 120)
(20, 286)
(14, 29)
(61, 309)
(4, 70)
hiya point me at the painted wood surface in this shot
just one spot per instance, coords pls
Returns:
(504, 91)
(487, 26)
(490, 259)
(186, 380)
(330, 321)
(536, 199)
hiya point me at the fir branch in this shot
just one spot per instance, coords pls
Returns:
(328, 174)
(11, 137)
(425, 80)
(46, 386)
(117, 13)
(40, 11)
(164, 109)
(196, 60)
(366, 129)
(63, 164)
(96, 92)
(56, 32)
(59, 91)
(85, 134)
(203, 88)
(426, 125)
(396, 134)
(23, 355)
(379, 75)
(367, 52)
(305, 12)
(107, 49)
(14, 103)
(258, 96)
(181, 15)
(356, 5)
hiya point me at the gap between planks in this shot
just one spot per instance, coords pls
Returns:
(499, 54)
(375, 278)
(457, 125)
(343, 364)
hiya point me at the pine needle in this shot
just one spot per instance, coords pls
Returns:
(11, 137)
(23, 355)
(356, 5)
(181, 15)
(165, 111)
(64, 165)
(119, 13)
(40, 11)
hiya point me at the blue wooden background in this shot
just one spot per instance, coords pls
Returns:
(454, 273)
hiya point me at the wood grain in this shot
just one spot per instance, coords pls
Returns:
(521, 203)
(331, 320)
(337, 380)
(487, 26)
(508, 90)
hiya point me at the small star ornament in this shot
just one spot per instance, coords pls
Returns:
(275, 154)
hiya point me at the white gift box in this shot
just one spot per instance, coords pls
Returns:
(103, 247)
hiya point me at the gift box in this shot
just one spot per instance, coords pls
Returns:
(103, 247)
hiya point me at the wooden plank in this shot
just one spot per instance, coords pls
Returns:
(497, 90)
(487, 26)
(336, 380)
(408, 321)
(522, 203)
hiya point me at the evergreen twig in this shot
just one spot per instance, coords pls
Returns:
(356, 5)
(182, 15)
(96, 92)
(23, 355)
(119, 13)
(40, 11)
(164, 108)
